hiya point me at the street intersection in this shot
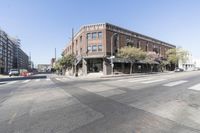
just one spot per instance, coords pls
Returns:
(168, 103)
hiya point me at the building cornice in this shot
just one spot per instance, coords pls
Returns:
(135, 34)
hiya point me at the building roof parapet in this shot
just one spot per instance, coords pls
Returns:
(137, 35)
(115, 28)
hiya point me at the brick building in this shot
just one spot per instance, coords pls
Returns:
(92, 47)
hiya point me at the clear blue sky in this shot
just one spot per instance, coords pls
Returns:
(43, 25)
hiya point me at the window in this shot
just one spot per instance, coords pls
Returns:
(138, 44)
(89, 49)
(146, 47)
(76, 43)
(94, 35)
(89, 36)
(100, 47)
(94, 48)
(80, 39)
(100, 35)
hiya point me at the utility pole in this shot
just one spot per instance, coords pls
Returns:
(75, 71)
(111, 56)
(30, 63)
(55, 54)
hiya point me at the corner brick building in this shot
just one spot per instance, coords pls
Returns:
(92, 47)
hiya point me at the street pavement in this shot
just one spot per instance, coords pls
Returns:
(168, 103)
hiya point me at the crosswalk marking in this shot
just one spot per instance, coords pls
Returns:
(195, 87)
(12, 82)
(138, 80)
(47, 79)
(62, 79)
(153, 81)
(175, 83)
(58, 79)
(37, 80)
(121, 80)
(26, 81)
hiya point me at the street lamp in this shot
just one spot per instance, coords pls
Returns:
(111, 57)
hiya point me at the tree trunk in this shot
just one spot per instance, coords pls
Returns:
(151, 68)
(131, 68)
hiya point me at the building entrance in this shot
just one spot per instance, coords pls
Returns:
(95, 65)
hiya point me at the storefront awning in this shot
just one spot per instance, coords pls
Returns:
(121, 60)
(147, 62)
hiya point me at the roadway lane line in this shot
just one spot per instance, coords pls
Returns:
(12, 82)
(175, 83)
(26, 81)
(141, 79)
(153, 81)
(195, 87)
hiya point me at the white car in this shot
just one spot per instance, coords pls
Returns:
(14, 72)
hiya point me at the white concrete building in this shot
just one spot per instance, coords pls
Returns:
(197, 63)
(188, 65)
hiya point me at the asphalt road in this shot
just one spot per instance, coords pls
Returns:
(168, 103)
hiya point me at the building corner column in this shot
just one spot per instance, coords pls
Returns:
(84, 67)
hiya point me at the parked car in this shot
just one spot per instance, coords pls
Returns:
(179, 70)
(13, 72)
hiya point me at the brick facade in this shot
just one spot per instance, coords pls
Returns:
(94, 41)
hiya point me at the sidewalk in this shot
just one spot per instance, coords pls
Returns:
(101, 76)
(7, 78)
(136, 74)
(3, 76)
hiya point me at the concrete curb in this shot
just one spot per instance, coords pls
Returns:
(22, 78)
(134, 75)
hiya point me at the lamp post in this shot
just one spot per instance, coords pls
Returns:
(111, 57)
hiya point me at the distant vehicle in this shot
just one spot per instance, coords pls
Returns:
(179, 70)
(13, 72)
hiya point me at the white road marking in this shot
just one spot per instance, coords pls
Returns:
(64, 78)
(12, 118)
(12, 82)
(37, 80)
(140, 79)
(60, 79)
(175, 83)
(121, 80)
(153, 81)
(47, 79)
(195, 87)
(26, 81)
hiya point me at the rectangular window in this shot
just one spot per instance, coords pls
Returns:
(80, 39)
(100, 47)
(89, 49)
(94, 35)
(100, 35)
(94, 48)
(138, 44)
(89, 36)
